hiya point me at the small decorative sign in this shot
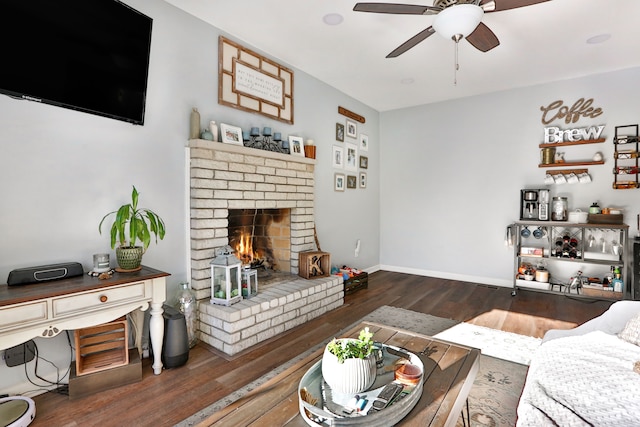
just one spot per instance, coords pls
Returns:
(350, 114)
(252, 82)
(554, 134)
(580, 108)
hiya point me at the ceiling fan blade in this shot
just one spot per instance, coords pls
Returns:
(400, 9)
(411, 42)
(509, 4)
(482, 38)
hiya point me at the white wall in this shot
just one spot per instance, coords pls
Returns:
(452, 174)
(61, 170)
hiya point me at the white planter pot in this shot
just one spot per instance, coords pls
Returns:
(351, 377)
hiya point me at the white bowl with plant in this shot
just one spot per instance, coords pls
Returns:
(349, 364)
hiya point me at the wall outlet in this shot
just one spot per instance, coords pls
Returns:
(20, 354)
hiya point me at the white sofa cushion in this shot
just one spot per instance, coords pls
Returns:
(585, 380)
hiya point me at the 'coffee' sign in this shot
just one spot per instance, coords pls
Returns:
(580, 109)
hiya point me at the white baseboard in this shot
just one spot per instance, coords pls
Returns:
(449, 276)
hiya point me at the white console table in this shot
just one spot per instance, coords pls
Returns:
(48, 308)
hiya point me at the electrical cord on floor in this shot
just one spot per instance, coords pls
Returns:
(62, 388)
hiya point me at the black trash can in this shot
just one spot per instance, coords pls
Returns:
(175, 346)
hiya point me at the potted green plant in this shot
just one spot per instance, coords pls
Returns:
(133, 224)
(348, 364)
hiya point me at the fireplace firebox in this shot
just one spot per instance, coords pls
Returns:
(261, 238)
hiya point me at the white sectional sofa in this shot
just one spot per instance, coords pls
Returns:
(585, 376)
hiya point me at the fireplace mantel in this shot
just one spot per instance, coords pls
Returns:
(231, 148)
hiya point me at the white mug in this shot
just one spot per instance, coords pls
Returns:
(584, 178)
(560, 179)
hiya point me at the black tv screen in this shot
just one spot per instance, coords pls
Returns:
(87, 55)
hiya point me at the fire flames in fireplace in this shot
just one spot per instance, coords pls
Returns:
(246, 253)
(261, 237)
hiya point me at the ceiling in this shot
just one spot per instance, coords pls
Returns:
(539, 43)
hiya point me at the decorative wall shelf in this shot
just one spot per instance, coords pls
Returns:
(626, 169)
(567, 143)
(568, 171)
(571, 164)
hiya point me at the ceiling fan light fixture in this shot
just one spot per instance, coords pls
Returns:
(458, 20)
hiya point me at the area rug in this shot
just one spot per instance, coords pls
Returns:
(503, 345)
(496, 390)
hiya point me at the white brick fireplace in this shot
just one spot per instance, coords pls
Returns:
(224, 177)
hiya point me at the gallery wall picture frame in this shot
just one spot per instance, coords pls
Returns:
(231, 134)
(351, 157)
(252, 82)
(352, 129)
(338, 182)
(364, 142)
(363, 180)
(352, 181)
(339, 132)
(337, 159)
(296, 145)
(364, 162)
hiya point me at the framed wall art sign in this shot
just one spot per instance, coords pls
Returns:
(337, 160)
(352, 129)
(338, 182)
(351, 157)
(364, 142)
(352, 181)
(363, 180)
(364, 162)
(339, 132)
(250, 82)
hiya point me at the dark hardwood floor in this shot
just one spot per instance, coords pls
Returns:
(163, 400)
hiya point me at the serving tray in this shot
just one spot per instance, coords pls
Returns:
(323, 407)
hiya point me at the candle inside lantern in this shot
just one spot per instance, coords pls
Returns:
(266, 131)
(255, 132)
(277, 136)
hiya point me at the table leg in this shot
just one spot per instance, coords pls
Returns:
(466, 422)
(156, 331)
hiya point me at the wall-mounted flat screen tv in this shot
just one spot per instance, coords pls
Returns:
(87, 55)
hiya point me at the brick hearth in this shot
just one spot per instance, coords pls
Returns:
(226, 176)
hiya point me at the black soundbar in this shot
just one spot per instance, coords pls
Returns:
(43, 273)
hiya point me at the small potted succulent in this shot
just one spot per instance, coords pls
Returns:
(133, 224)
(349, 364)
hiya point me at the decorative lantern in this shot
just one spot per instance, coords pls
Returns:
(225, 278)
(249, 282)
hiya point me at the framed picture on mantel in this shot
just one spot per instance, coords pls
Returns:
(231, 134)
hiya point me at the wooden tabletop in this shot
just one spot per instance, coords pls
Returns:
(22, 293)
(449, 372)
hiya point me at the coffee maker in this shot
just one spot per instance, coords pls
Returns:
(534, 204)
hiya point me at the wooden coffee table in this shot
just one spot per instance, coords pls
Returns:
(449, 372)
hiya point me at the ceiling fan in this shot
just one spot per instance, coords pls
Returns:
(455, 19)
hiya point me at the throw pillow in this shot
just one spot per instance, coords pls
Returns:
(631, 331)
